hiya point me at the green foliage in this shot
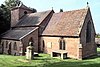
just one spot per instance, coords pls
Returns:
(5, 14)
(4, 18)
(10, 3)
(44, 60)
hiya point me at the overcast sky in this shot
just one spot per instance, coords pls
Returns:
(66, 5)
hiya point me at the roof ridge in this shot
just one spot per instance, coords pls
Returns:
(73, 10)
(38, 18)
(39, 12)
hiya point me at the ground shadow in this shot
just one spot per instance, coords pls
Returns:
(92, 57)
(65, 63)
(72, 64)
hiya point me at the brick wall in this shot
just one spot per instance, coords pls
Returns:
(88, 49)
(17, 14)
(52, 44)
(5, 47)
(34, 36)
(43, 26)
(21, 45)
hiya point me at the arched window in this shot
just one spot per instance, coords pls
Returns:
(61, 44)
(9, 47)
(15, 46)
(43, 46)
(88, 32)
(6, 44)
(2, 46)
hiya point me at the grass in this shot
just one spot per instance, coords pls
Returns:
(98, 49)
(44, 60)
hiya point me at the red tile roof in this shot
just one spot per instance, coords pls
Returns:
(66, 23)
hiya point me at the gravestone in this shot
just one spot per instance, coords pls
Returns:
(29, 52)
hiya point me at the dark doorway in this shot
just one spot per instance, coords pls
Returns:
(9, 49)
(2, 47)
(43, 46)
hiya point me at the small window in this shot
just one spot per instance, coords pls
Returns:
(25, 12)
(43, 44)
(15, 46)
(6, 44)
(62, 44)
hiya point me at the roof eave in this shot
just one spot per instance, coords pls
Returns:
(80, 29)
(10, 39)
(59, 36)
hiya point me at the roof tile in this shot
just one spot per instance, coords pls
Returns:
(66, 23)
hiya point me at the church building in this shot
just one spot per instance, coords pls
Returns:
(71, 31)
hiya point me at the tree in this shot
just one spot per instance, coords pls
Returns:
(4, 18)
(5, 13)
(10, 3)
(13, 3)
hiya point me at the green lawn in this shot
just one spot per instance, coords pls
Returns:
(44, 60)
(98, 49)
